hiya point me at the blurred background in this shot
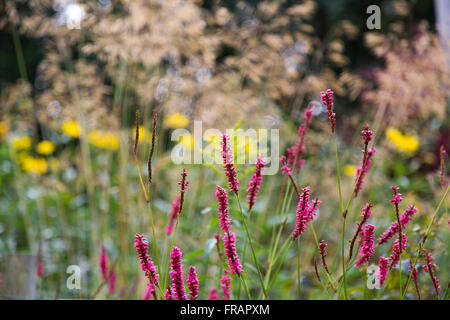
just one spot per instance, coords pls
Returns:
(73, 74)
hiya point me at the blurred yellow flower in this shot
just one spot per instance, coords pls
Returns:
(144, 134)
(21, 143)
(103, 139)
(34, 165)
(71, 128)
(175, 121)
(45, 147)
(3, 129)
(187, 141)
(350, 170)
(403, 142)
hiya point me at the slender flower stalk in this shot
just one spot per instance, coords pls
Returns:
(327, 101)
(405, 218)
(192, 282)
(255, 183)
(213, 294)
(224, 219)
(228, 164)
(103, 263)
(177, 274)
(226, 285)
(366, 252)
(173, 215)
(383, 269)
(136, 140)
(229, 242)
(442, 154)
(141, 245)
(429, 267)
(219, 252)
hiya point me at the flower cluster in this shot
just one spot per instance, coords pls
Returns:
(366, 251)
(362, 170)
(396, 250)
(226, 285)
(296, 152)
(393, 229)
(173, 215)
(323, 253)
(229, 242)
(141, 245)
(383, 269)
(305, 212)
(285, 168)
(429, 267)
(176, 274)
(222, 198)
(228, 164)
(255, 183)
(327, 101)
(192, 282)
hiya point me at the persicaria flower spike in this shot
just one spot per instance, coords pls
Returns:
(226, 285)
(103, 263)
(366, 252)
(149, 290)
(213, 294)
(40, 265)
(366, 134)
(396, 250)
(429, 267)
(177, 274)
(224, 219)
(285, 168)
(168, 294)
(296, 152)
(229, 243)
(112, 282)
(393, 229)
(305, 212)
(362, 170)
(173, 215)
(192, 282)
(147, 266)
(397, 197)
(323, 253)
(255, 183)
(383, 268)
(228, 164)
(327, 101)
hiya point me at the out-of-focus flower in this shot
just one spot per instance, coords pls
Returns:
(53, 164)
(175, 121)
(103, 139)
(71, 128)
(349, 170)
(45, 147)
(34, 165)
(3, 129)
(21, 143)
(187, 141)
(403, 142)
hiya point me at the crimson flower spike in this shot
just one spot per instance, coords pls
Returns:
(177, 274)
(327, 101)
(255, 182)
(228, 164)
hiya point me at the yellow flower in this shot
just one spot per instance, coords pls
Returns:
(71, 128)
(45, 147)
(21, 143)
(3, 129)
(350, 170)
(34, 165)
(103, 139)
(187, 141)
(144, 134)
(176, 120)
(403, 142)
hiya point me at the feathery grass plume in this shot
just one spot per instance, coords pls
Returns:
(192, 282)
(429, 267)
(168, 294)
(104, 263)
(228, 164)
(173, 215)
(255, 183)
(366, 252)
(397, 250)
(213, 294)
(442, 154)
(149, 291)
(112, 282)
(229, 243)
(393, 229)
(226, 285)
(222, 199)
(323, 254)
(152, 147)
(305, 212)
(365, 215)
(136, 140)
(296, 152)
(40, 265)
(383, 269)
(414, 277)
(362, 170)
(177, 274)
(327, 101)
(141, 245)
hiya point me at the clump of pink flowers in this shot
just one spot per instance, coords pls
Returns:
(396, 250)
(229, 242)
(141, 245)
(213, 294)
(305, 212)
(192, 282)
(405, 218)
(222, 199)
(285, 168)
(228, 164)
(176, 274)
(383, 269)
(366, 252)
(327, 101)
(255, 183)
(226, 285)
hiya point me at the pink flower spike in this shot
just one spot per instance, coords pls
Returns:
(112, 282)
(228, 164)
(429, 267)
(327, 101)
(405, 218)
(362, 171)
(168, 294)
(323, 253)
(40, 265)
(148, 291)
(192, 282)
(177, 274)
(147, 266)
(104, 263)
(222, 198)
(255, 182)
(173, 215)
(395, 256)
(285, 168)
(383, 268)
(304, 213)
(226, 285)
(366, 252)
(229, 242)
(213, 294)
